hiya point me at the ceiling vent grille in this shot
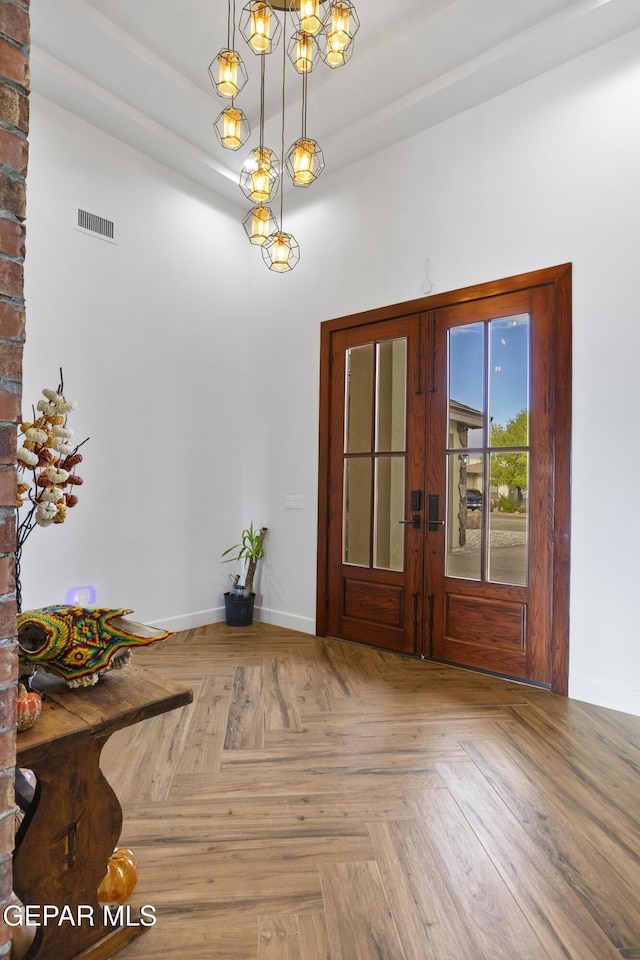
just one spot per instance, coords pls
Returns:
(100, 227)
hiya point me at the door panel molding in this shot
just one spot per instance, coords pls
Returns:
(553, 286)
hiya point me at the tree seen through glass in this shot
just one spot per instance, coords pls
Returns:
(510, 469)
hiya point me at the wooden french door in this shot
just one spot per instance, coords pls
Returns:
(444, 479)
(376, 455)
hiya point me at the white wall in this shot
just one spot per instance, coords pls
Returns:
(152, 345)
(543, 175)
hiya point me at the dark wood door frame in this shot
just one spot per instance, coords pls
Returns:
(558, 281)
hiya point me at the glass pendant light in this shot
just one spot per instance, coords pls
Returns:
(324, 29)
(260, 20)
(340, 17)
(232, 128)
(334, 55)
(303, 51)
(305, 160)
(281, 251)
(309, 16)
(227, 71)
(261, 172)
(260, 175)
(259, 224)
(340, 27)
(260, 26)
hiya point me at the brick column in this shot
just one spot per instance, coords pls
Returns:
(14, 118)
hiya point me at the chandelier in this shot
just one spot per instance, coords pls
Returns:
(322, 30)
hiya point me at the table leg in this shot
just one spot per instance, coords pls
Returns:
(61, 854)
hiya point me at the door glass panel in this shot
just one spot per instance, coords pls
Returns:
(466, 385)
(391, 396)
(508, 521)
(389, 535)
(487, 531)
(509, 381)
(375, 515)
(465, 508)
(357, 511)
(359, 399)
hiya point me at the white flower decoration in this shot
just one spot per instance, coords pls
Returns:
(63, 432)
(49, 409)
(27, 457)
(65, 406)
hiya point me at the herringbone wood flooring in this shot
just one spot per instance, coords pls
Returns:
(324, 801)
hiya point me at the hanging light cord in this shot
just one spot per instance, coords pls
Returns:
(262, 72)
(284, 61)
(231, 31)
(304, 105)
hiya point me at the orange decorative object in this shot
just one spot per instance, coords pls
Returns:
(121, 877)
(29, 705)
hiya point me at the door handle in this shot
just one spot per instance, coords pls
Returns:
(414, 522)
(433, 510)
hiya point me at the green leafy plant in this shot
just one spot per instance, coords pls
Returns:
(249, 550)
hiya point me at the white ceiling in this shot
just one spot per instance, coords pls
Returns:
(138, 70)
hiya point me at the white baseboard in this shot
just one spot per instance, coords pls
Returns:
(201, 618)
(187, 621)
(290, 621)
(609, 695)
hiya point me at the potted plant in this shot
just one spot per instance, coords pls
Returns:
(239, 601)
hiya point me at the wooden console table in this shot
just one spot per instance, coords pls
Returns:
(74, 822)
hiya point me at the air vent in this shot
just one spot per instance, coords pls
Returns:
(100, 227)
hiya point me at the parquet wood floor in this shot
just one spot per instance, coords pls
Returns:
(320, 800)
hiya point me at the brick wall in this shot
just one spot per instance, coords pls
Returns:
(14, 119)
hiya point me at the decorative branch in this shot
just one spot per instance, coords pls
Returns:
(47, 462)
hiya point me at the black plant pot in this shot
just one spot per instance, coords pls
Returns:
(239, 610)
